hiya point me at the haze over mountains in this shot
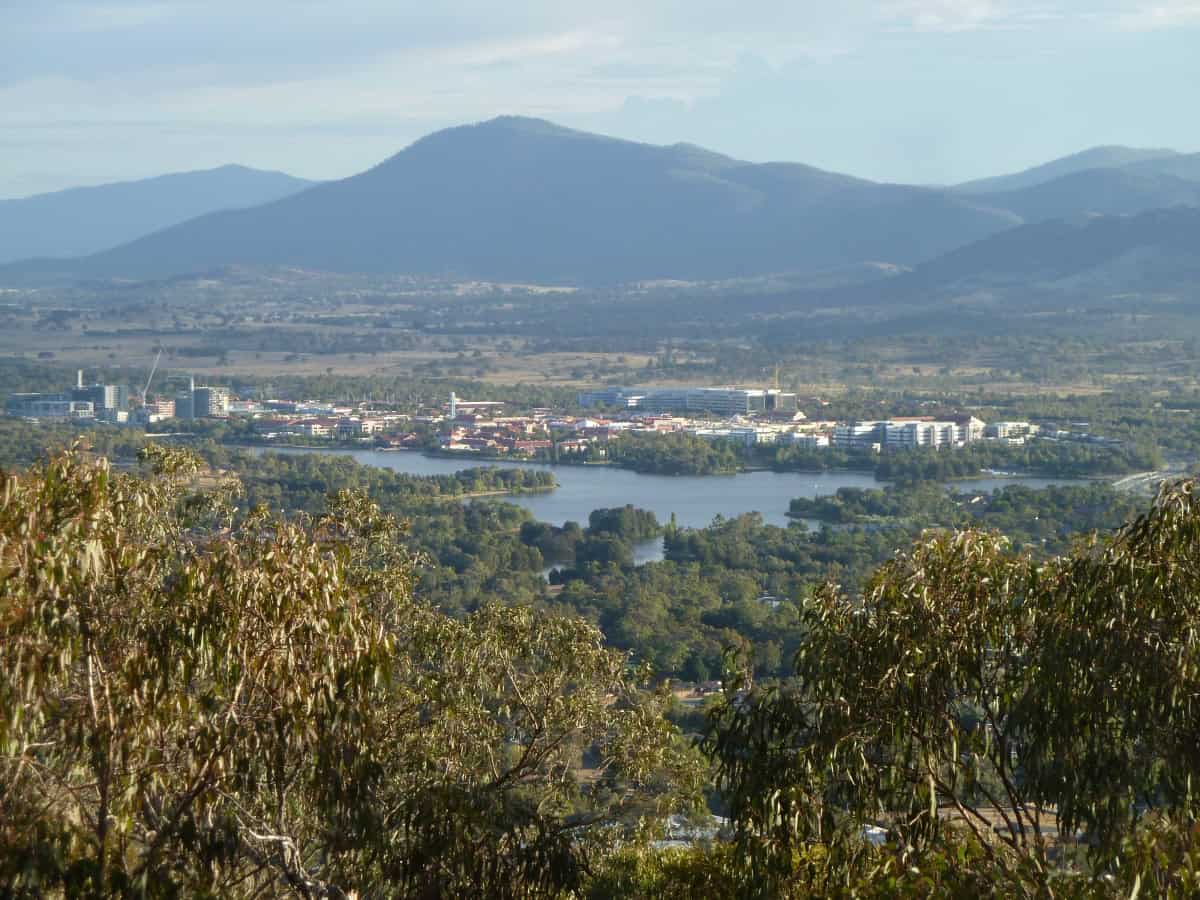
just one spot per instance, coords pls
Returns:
(1152, 251)
(1110, 157)
(517, 199)
(82, 221)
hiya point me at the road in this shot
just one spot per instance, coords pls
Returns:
(1148, 482)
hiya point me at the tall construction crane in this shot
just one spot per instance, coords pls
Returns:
(153, 369)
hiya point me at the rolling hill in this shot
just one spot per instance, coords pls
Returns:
(82, 221)
(1182, 165)
(1113, 275)
(518, 199)
(1097, 192)
(1158, 250)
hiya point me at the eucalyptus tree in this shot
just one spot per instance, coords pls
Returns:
(198, 703)
(1046, 714)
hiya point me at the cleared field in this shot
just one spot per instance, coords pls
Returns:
(82, 350)
(291, 323)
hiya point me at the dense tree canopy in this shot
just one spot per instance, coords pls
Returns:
(201, 698)
(675, 454)
(200, 704)
(1047, 519)
(972, 692)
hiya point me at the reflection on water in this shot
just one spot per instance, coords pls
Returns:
(694, 500)
(643, 552)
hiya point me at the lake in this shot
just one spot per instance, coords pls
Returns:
(694, 500)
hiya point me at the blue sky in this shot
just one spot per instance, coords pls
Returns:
(906, 90)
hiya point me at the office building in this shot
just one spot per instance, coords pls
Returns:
(621, 397)
(210, 402)
(1011, 430)
(110, 402)
(859, 435)
(718, 401)
(154, 410)
(184, 408)
(908, 433)
(810, 441)
(48, 406)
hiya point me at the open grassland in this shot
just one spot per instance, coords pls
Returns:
(286, 350)
(293, 324)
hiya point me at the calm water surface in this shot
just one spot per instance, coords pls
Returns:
(694, 500)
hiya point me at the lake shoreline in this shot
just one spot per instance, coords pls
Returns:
(695, 500)
(473, 459)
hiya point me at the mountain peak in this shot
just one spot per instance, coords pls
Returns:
(529, 124)
(518, 198)
(481, 136)
(509, 125)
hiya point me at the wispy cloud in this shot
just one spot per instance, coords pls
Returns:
(529, 48)
(208, 81)
(975, 15)
(1172, 14)
(944, 15)
(981, 15)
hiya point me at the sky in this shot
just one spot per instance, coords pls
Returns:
(919, 91)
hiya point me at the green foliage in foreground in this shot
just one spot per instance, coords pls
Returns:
(1030, 708)
(23, 443)
(194, 704)
(1161, 860)
(958, 870)
(197, 701)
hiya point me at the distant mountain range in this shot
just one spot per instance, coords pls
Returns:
(1095, 158)
(1117, 275)
(521, 199)
(1096, 192)
(1154, 251)
(82, 221)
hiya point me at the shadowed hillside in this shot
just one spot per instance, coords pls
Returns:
(81, 221)
(526, 200)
